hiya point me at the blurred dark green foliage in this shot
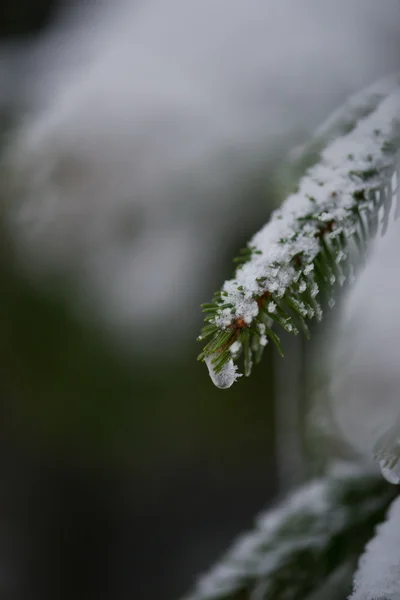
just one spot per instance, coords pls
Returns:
(192, 464)
(126, 474)
(20, 18)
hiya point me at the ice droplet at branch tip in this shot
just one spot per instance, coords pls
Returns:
(226, 376)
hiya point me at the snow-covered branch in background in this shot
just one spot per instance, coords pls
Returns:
(295, 547)
(311, 244)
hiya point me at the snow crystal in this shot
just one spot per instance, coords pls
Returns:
(308, 268)
(379, 567)
(224, 378)
(263, 338)
(341, 256)
(245, 305)
(325, 216)
(302, 286)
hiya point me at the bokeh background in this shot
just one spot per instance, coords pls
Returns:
(123, 472)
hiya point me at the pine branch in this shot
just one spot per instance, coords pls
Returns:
(295, 547)
(310, 247)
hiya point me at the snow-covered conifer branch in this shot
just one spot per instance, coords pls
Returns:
(311, 244)
(297, 545)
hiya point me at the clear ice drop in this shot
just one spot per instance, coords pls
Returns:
(224, 378)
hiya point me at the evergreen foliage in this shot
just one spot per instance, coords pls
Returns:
(312, 244)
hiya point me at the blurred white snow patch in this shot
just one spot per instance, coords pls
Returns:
(365, 385)
(146, 121)
(377, 576)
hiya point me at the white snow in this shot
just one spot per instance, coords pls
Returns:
(377, 577)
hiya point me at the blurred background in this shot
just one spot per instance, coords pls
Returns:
(142, 143)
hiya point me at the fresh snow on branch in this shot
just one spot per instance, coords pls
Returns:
(311, 243)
